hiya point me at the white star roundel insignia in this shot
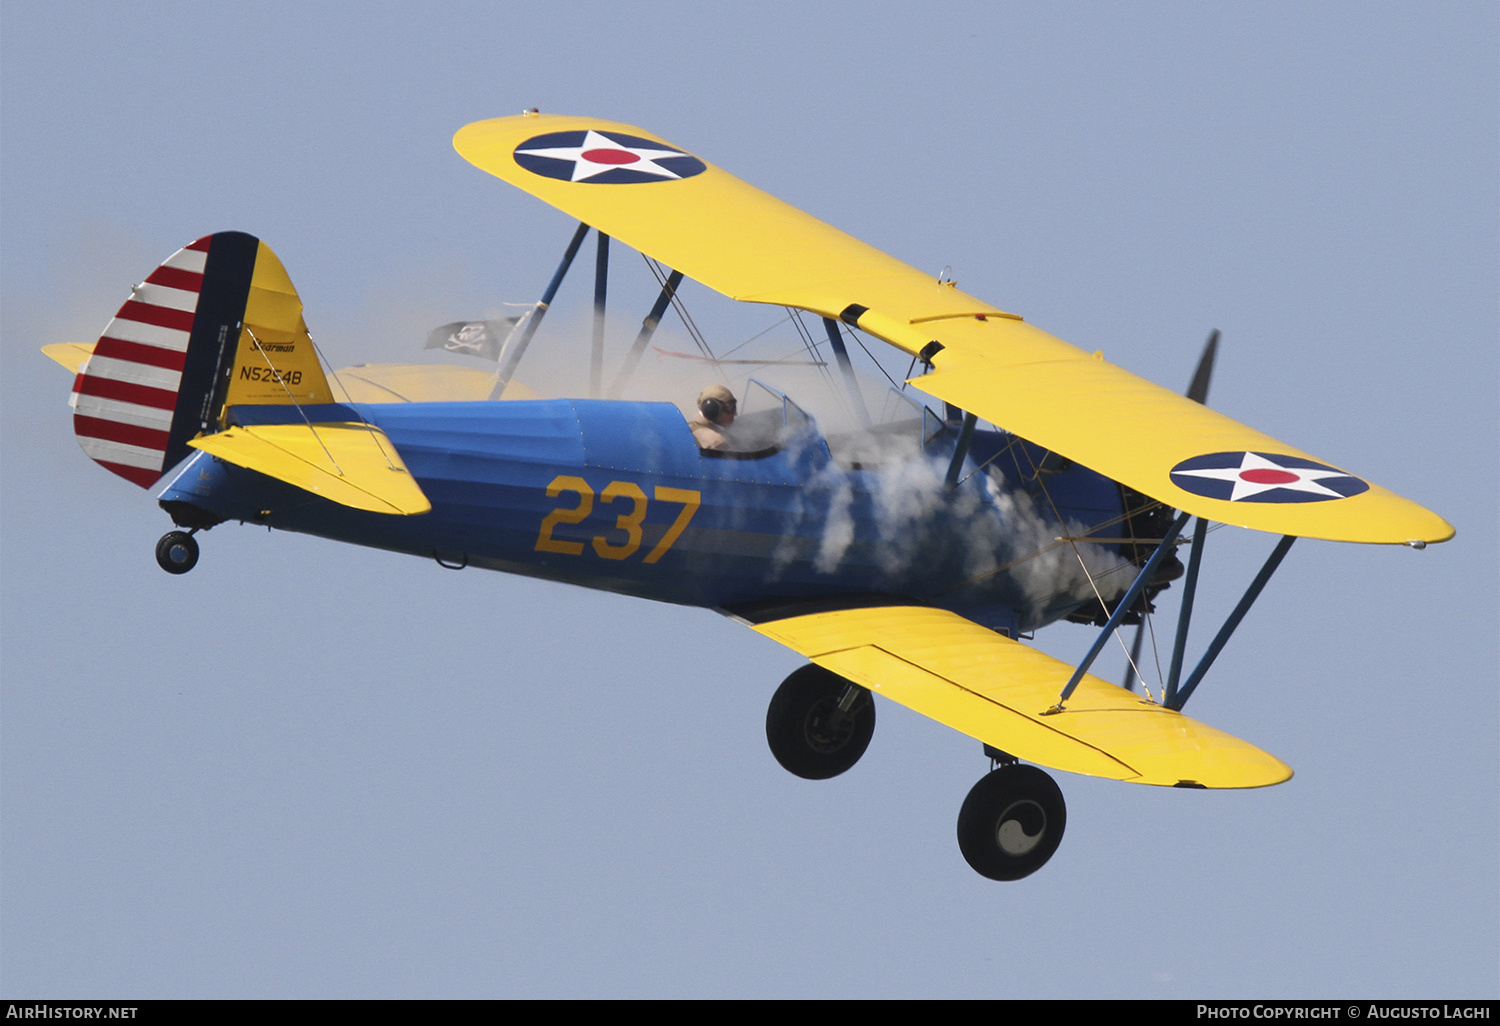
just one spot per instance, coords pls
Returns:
(1264, 477)
(604, 158)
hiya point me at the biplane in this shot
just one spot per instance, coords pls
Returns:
(909, 556)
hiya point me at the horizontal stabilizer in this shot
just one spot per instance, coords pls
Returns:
(351, 464)
(72, 355)
(1000, 691)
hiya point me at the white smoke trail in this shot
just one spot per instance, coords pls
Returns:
(838, 529)
(989, 532)
(1048, 570)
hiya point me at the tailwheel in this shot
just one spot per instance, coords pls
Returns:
(177, 552)
(819, 724)
(1012, 822)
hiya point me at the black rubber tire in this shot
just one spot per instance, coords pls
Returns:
(805, 730)
(1011, 822)
(177, 552)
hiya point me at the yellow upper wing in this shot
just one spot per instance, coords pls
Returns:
(999, 691)
(748, 245)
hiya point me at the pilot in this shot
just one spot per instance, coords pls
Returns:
(716, 410)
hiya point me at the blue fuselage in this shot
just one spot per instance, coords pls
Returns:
(617, 495)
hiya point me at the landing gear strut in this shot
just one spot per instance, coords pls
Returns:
(177, 552)
(1012, 822)
(819, 724)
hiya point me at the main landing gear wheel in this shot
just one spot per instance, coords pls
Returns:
(177, 552)
(819, 724)
(1012, 822)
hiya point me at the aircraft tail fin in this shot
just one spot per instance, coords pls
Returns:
(218, 323)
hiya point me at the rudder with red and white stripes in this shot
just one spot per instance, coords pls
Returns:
(162, 371)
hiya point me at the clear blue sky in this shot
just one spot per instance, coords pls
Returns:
(307, 769)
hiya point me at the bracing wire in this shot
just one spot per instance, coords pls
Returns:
(276, 376)
(1088, 574)
(811, 345)
(682, 312)
(855, 336)
(763, 332)
(375, 433)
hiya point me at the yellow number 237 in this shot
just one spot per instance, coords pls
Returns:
(628, 525)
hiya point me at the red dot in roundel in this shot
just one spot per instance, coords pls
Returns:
(609, 156)
(1267, 476)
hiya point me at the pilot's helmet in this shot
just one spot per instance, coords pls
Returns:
(714, 400)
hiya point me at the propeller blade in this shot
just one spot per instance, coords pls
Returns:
(1198, 390)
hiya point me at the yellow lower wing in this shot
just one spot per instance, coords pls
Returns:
(998, 690)
(351, 464)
